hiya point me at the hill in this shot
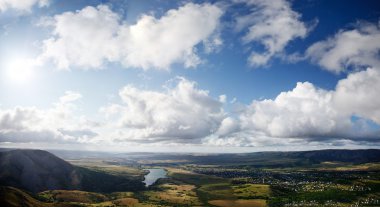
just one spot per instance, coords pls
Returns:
(13, 197)
(265, 159)
(38, 170)
(353, 156)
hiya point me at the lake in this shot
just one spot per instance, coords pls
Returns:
(153, 175)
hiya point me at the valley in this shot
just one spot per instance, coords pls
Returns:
(224, 180)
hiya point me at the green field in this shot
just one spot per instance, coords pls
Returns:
(251, 191)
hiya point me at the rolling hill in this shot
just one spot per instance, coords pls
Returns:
(266, 159)
(38, 170)
(13, 197)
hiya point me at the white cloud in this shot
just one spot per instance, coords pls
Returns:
(57, 124)
(21, 5)
(358, 94)
(309, 114)
(352, 51)
(306, 111)
(223, 98)
(183, 113)
(18, 118)
(249, 139)
(85, 38)
(273, 24)
(355, 48)
(228, 126)
(94, 35)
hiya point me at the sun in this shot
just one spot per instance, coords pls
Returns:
(20, 70)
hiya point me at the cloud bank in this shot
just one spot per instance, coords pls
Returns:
(57, 124)
(184, 113)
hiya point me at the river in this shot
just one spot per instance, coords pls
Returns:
(153, 175)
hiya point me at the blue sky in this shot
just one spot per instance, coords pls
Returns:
(233, 76)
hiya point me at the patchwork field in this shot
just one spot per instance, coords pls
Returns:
(246, 191)
(174, 194)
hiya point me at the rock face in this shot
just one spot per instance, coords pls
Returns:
(37, 170)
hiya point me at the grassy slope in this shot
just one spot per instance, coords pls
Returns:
(72, 196)
(13, 197)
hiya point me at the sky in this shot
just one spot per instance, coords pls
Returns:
(190, 76)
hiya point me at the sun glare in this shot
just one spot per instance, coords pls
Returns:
(20, 70)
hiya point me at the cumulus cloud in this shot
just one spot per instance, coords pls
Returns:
(18, 119)
(358, 94)
(355, 48)
(272, 24)
(21, 5)
(183, 113)
(227, 127)
(83, 38)
(307, 113)
(94, 35)
(355, 51)
(303, 112)
(57, 124)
